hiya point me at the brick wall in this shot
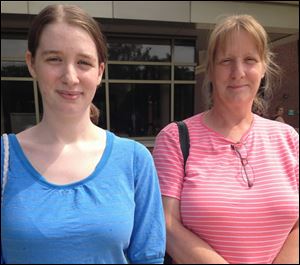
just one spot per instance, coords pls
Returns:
(288, 94)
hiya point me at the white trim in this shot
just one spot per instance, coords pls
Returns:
(5, 164)
(135, 81)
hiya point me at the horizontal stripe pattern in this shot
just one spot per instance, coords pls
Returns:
(244, 225)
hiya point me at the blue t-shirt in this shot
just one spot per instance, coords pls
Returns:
(115, 215)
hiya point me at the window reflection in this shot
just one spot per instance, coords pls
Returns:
(139, 72)
(18, 106)
(99, 101)
(139, 50)
(184, 51)
(183, 101)
(139, 109)
(40, 104)
(184, 73)
(13, 48)
(14, 69)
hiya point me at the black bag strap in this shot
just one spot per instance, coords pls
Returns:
(185, 149)
(184, 140)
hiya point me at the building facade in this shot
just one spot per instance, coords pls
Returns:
(154, 71)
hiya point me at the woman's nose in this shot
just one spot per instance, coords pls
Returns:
(237, 70)
(70, 76)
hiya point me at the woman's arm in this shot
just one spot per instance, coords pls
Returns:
(183, 245)
(279, 118)
(289, 253)
(148, 238)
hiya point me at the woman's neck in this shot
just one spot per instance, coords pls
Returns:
(231, 116)
(231, 124)
(66, 130)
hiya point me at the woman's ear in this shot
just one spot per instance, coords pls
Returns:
(30, 64)
(101, 71)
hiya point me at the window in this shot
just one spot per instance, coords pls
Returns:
(148, 82)
(13, 49)
(17, 105)
(139, 72)
(139, 110)
(100, 103)
(151, 82)
(139, 49)
(184, 101)
(184, 51)
(14, 69)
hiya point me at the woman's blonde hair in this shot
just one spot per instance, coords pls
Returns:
(247, 23)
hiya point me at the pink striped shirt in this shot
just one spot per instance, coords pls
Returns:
(244, 225)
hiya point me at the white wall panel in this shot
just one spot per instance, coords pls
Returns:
(270, 15)
(94, 8)
(204, 13)
(178, 11)
(14, 7)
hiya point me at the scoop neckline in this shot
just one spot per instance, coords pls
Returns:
(41, 179)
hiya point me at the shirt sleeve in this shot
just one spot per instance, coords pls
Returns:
(148, 240)
(295, 137)
(169, 161)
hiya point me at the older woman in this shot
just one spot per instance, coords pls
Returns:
(236, 200)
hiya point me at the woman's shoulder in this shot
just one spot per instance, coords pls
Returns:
(191, 122)
(27, 137)
(268, 126)
(265, 121)
(123, 144)
(120, 140)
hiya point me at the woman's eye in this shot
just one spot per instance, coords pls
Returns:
(251, 60)
(84, 63)
(54, 59)
(226, 61)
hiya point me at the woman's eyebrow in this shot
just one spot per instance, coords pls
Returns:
(83, 55)
(45, 53)
(87, 56)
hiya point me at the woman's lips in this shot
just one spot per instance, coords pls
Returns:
(70, 95)
(237, 86)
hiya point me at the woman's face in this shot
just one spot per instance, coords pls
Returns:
(67, 68)
(280, 111)
(237, 71)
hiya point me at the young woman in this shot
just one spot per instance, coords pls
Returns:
(238, 199)
(76, 193)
